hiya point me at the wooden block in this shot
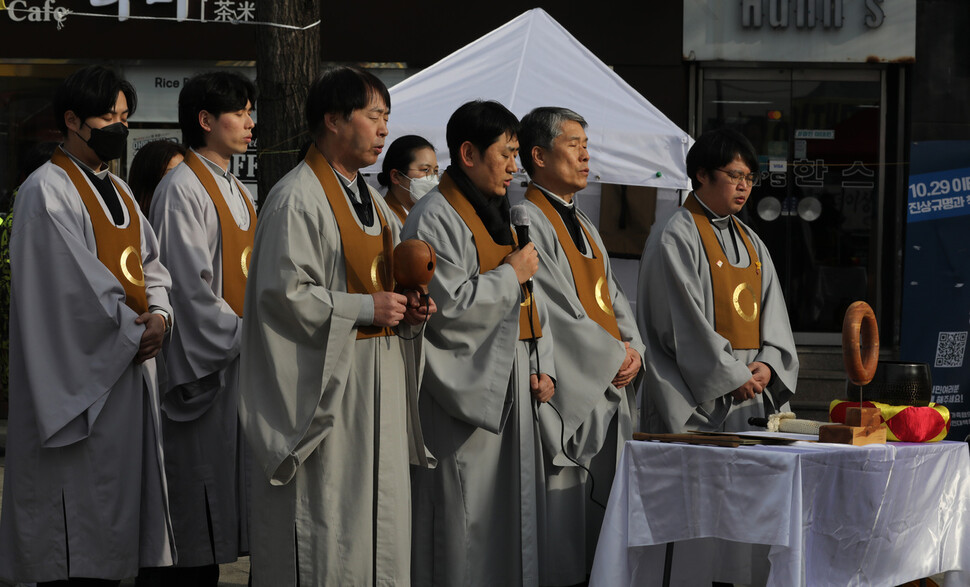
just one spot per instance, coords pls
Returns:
(864, 417)
(854, 435)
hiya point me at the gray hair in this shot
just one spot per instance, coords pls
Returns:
(540, 128)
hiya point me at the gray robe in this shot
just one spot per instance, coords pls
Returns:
(691, 369)
(475, 518)
(327, 416)
(598, 417)
(84, 487)
(204, 449)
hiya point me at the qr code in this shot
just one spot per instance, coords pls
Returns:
(950, 348)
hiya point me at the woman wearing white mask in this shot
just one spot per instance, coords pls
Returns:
(410, 171)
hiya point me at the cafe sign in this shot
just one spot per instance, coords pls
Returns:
(217, 11)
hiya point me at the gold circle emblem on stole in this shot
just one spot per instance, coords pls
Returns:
(528, 299)
(600, 298)
(737, 304)
(247, 255)
(140, 280)
(377, 272)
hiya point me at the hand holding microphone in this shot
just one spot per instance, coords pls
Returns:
(525, 260)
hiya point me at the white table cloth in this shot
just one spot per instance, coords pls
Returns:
(824, 514)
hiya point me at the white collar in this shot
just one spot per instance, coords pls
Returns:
(99, 174)
(347, 182)
(552, 195)
(711, 214)
(213, 165)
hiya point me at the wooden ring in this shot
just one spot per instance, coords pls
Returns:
(860, 343)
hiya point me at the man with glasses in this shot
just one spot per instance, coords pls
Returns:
(719, 347)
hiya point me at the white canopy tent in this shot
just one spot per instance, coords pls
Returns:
(533, 61)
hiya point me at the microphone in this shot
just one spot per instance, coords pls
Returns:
(521, 221)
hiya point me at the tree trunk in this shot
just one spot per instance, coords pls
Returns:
(287, 61)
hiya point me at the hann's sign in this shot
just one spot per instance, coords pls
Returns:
(820, 31)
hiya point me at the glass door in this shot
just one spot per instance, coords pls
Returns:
(818, 136)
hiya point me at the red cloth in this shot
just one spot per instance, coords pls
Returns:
(903, 423)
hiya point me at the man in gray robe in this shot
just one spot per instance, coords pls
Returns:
(597, 350)
(485, 373)
(84, 497)
(328, 392)
(205, 221)
(719, 347)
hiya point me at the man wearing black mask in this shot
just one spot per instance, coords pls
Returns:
(84, 491)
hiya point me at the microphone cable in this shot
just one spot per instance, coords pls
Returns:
(424, 323)
(562, 422)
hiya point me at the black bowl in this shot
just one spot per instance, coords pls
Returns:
(896, 383)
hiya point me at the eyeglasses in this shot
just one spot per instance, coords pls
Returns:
(425, 171)
(737, 177)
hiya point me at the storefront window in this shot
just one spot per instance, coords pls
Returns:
(817, 134)
(26, 123)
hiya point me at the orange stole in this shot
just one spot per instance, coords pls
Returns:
(589, 274)
(396, 207)
(116, 246)
(490, 255)
(365, 256)
(737, 290)
(237, 244)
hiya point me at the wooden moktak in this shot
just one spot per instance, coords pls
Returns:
(413, 265)
(860, 352)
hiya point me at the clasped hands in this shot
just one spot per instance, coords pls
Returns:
(392, 307)
(629, 368)
(151, 339)
(760, 377)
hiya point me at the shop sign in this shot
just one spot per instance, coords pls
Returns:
(243, 166)
(825, 31)
(158, 88)
(216, 11)
(817, 173)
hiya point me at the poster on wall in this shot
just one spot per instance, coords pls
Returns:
(139, 137)
(936, 283)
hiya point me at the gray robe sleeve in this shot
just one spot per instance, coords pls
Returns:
(476, 326)
(82, 335)
(207, 335)
(777, 343)
(298, 328)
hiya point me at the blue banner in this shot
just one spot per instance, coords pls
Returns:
(942, 194)
(936, 282)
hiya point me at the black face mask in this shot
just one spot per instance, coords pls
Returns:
(108, 142)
